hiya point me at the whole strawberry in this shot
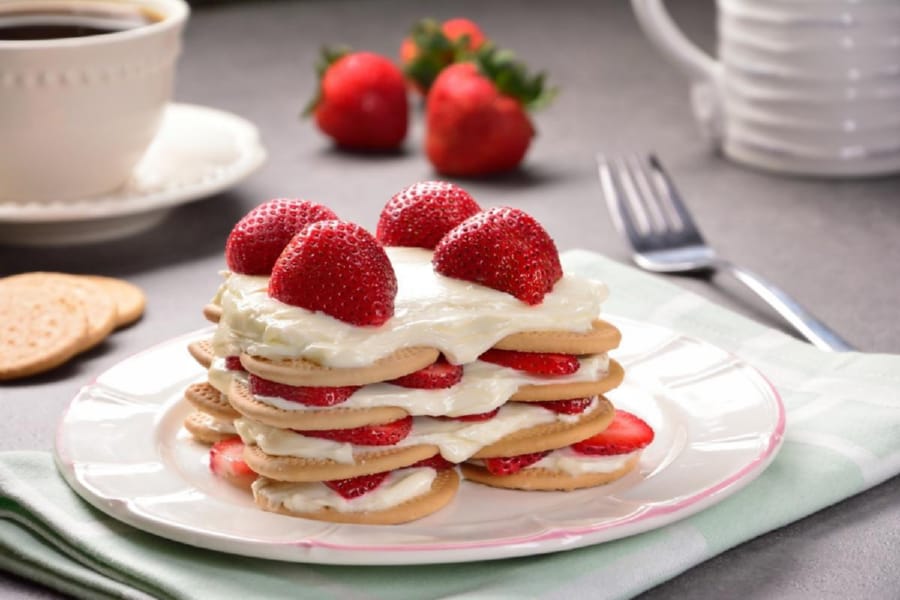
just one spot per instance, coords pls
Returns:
(433, 46)
(476, 115)
(337, 268)
(502, 248)
(362, 103)
(259, 237)
(422, 213)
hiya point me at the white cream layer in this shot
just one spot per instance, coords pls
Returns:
(483, 387)
(573, 463)
(457, 440)
(459, 318)
(214, 424)
(220, 377)
(398, 487)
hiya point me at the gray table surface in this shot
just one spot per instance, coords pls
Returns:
(834, 244)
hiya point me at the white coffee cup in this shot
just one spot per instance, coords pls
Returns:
(77, 113)
(809, 87)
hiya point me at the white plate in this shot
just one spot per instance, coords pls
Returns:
(719, 423)
(198, 152)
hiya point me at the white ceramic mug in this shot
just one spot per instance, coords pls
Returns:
(77, 113)
(809, 87)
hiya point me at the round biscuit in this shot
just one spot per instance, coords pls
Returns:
(38, 331)
(203, 433)
(443, 489)
(292, 468)
(212, 312)
(545, 479)
(577, 389)
(208, 399)
(550, 436)
(202, 351)
(602, 337)
(304, 372)
(128, 298)
(335, 417)
(98, 306)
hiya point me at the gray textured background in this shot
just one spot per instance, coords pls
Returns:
(834, 244)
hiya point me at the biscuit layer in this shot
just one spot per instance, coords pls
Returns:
(578, 389)
(202, 351)
(196, 425)
(545, 479)
(208, 399)
(602, 337)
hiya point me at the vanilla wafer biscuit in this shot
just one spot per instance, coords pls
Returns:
(39, 330)
(602, 337)
(212, 312)
(293, 468)
(98, 306)
(202, 351)
(575, 389)
(539, 478)
(209, 400)
(335, 417)
(549, 436)
(273, 496)
(208, 429)
(302, 372)
(128, 298)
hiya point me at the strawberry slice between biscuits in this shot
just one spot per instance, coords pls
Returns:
(626, 433)
(386, 434)
(310, 396)
(226, 460)
(438, 375)
(502, 248)
(421, 214)
(354, 487)
(572, 406)
(337, 268)
(512, 464)
(536, 363)
(257, 240)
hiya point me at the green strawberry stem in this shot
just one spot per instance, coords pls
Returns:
(512, 78)
(327, 57)
(434, 52)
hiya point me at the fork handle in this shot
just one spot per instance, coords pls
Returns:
(803, 321)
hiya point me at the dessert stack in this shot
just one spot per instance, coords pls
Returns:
(357, 370)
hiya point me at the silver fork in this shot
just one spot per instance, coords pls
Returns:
(648, 211)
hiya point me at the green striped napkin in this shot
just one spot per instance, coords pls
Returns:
(843, 436)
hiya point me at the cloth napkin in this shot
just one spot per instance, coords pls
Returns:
(843, 436)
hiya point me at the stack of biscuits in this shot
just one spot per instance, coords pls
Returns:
(372, 422)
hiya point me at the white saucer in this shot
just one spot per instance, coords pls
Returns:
(198, 152)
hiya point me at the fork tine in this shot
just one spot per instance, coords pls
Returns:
(672, 199)
(639, 173)
(623, 218)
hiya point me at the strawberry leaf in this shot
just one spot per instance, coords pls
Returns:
(327, 57)
(512, 78)
(434, 51)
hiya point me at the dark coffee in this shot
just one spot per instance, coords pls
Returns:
(79, 21)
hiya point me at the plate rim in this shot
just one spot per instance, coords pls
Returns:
(556, 539)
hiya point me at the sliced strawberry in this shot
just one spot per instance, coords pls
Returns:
(233, 363)
(512, 464)
(421, 214)
(226, 460)
(357, 486)
(536, 363)
(573, 406)
(485, 416)
(438, 375)
(436, 462)
(387, 434)
(502, 248)
(259, 237)
(310, 396)
(625, 434)
(337, 268)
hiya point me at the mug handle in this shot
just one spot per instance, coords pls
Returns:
(703, 70)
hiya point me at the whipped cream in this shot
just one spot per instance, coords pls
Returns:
(574, 463)
(214, 424)
(460, 318)
(483, 387)
(220, 377)
(398, 487)
(457, 440)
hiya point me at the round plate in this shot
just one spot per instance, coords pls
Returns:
(718, 424)
(197, 152)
